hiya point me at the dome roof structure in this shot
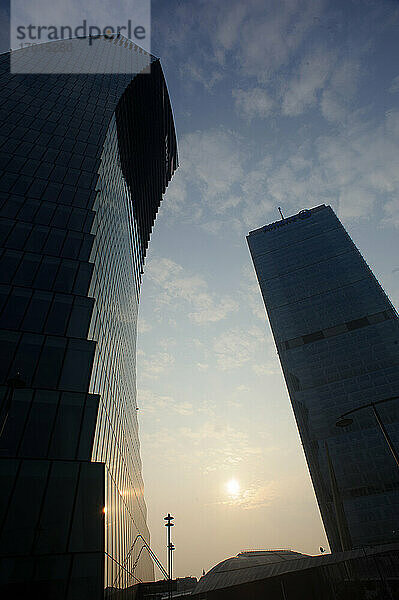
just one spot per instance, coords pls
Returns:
(250, 565)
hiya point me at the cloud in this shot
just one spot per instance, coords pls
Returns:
(325, 78)
(217, 446)
(359, 167)
(192, 72)
(153, 367)
(265, 35)
(299, 50)
(235, 348)
(202, 366)
(143, 326)
(250, 294)
(216, 182)
(394, 85)
(191, 290)
(228, 29)
(242, 389)
(252, 103)
(257, 495)
(264, 369)
(214, 446)
(337, 101)
(212, 227)
(211, 166)
(301, 92)
(151, 402)
(212, 159)
(257, 204)
(392, 123)
(352, 169)
(355, 169)
(256, 38)
(391, 210)
(355, 201)
(332, 107)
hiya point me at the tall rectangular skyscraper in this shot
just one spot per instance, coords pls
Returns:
(337, 336)
(85, 159)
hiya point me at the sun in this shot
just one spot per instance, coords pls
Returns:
(233, 487)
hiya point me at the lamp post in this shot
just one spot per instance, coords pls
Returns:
(14, 383)
(170, 547)
(344, 421)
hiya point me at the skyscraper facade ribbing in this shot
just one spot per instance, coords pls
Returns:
(337, 336)
(85, 160)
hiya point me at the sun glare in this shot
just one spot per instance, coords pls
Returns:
(233, 487)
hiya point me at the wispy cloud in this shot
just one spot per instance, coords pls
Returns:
(358, 165)
(153, 403)
(265, 369)
(351, 168)
(250, 293)
(214, 446)
(202, 366)
(158, 363)
(394, 85)
(264, 35)
(256, 37)
(337, 101)
(236, 348)
(177, 286)
(211, 161)
(143, 326)
(251, 103)
(233, 349)
(301, 91)
(192, 72)
(257, 495)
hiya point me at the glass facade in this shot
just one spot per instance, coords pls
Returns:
(85, 160)
(337, 336)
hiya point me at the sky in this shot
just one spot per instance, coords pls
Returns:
(293, 104)
(289, 103)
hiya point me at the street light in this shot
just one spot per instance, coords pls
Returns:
(170, 547)
(345, 421)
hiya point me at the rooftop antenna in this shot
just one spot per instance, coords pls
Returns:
(281, 213)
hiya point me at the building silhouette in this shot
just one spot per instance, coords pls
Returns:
(337, 337)
(282, 574)
(85, 160)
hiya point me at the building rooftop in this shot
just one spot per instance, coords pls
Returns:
(251, 566)
(301, 215)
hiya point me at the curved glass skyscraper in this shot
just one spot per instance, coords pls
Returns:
(337, 336)
(85, 160)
